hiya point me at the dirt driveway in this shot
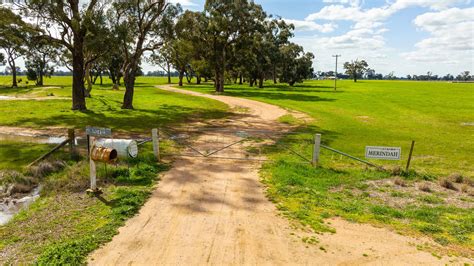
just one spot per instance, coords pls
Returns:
(214, 212)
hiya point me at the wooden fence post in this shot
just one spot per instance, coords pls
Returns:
(92, 168)
(409, 156)
(316, 149)
(72, 142)
(156, 143)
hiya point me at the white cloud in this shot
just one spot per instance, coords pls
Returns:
(432, 4)
(304, 25)
(451, 32)
(451, 39)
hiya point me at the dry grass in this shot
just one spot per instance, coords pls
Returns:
(446, 183)
(456, 178)
(400, 182)
(425, 187)
(46, 168)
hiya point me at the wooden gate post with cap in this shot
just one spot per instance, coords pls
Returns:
(92, 168)
(156, 143)
(316, 149)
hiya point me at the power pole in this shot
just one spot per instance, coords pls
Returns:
(335, 76)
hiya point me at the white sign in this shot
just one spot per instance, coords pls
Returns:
(385, 153)
(98, 131)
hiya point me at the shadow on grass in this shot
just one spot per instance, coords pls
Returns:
(129, 120)
(277, 96)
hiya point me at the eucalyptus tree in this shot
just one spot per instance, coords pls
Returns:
(167, 31)
(226, 21)
(279, 35)
(99, 42)
(137, 24)
(40, 57)
(356, 68)
(66, 23)
(297, 65)
(14, 33)
(162, 58)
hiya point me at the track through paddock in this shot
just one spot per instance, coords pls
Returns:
(214, 212)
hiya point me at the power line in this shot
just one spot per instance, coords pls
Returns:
(335, 76)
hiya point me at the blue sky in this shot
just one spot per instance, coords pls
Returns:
(403, 36)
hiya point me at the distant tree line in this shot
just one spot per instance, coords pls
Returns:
(228, 41)
(370, 74)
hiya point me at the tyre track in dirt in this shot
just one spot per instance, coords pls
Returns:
(214, 212)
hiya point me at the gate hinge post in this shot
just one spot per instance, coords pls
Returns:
(316, 149)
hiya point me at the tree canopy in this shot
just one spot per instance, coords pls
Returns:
(228, 41)
(356, 68)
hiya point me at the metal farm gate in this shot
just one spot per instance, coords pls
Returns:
(217, 143)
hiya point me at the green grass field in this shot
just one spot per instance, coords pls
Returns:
(153, 107)
(64, 225)
(385, 113)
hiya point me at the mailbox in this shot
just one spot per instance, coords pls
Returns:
(103, 154)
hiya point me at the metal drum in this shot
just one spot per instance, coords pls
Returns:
(103, 154)
(125, 148)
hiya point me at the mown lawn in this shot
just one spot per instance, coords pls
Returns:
(385, 113)
(153, 107)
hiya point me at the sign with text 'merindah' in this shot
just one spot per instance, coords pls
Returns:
(384, 153)
(98, 131)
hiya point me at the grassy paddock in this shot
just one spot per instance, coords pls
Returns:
(153, 107)
(64, 225)
(386, 113)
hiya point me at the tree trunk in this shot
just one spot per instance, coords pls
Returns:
(198, 79)
(251, 82)
(78, 99)
(40, 80)
(292, 83)
(355, 78)
(216, 79)
(181, 75)
(12, 64)
(240, 79)
(260, 82)
(189, 78)
(112, 76)
(169, 72)
(89, 81)
(129, 80)
(101, 81)
(220, 73)
(274, 75)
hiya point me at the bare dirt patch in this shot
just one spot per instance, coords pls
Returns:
(215, 212)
